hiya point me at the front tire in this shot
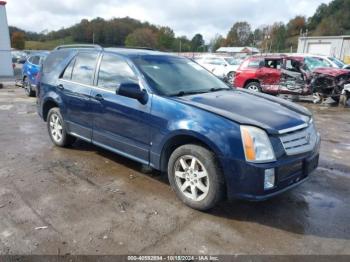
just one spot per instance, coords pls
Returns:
(196, 177)
(254, 86)
(57, 129)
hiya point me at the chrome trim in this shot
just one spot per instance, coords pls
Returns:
(90, 86)
(300, 141)
(294, 128)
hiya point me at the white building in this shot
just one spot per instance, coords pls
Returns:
(337, 46)
(6, 69)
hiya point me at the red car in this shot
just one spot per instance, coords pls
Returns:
(291, 74)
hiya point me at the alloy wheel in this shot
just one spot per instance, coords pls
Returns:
(56, 128)
(192, 178)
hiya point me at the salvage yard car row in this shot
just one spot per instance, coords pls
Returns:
(294, 74)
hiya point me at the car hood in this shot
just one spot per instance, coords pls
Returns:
(331, 71)
(250, 108)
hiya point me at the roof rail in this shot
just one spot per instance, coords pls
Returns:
(135, 47)
(76, 46)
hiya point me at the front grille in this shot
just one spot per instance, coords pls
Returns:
(299, 141)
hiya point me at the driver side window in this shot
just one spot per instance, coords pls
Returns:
(114, 71)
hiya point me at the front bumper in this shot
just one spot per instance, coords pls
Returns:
(246, 180)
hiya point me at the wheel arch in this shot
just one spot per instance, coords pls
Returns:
(48, 104)
(180, 139)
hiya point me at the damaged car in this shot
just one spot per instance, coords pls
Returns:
(292, 74)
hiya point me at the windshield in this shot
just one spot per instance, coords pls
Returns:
(314, 63)
(336, 61)
(171, 76)
(233, 61)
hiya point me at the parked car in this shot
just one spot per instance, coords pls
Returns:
(18, 57)
(291, 74)
(223, 67)
(171, 114)
(331, 61)
(30, 71)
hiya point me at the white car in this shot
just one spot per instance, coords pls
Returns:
(223, 67)
(331, 61)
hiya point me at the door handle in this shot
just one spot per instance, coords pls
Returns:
(99, 97)
(60, 87)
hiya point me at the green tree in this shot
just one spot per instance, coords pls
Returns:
(240, 34)
(295, 25)
(143, 37)
(165, 38)
(278, 37)
(217, 42)
(181, 44)
(197, 43)
(17, 40)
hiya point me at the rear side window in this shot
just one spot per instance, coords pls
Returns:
(35, 60)
(255, 63)
(114, 71)
(84, 68)
(67, 75)
(54, 59)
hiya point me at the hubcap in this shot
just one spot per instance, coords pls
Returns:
(191, 178)
(56, 128)
(253, 88)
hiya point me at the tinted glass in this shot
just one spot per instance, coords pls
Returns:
(254, 64)
(114, 71)
(35, 60)
(68, 72)
(84, 68)
(215, 61)
(171, 76)
(233, 61)
(54, 59)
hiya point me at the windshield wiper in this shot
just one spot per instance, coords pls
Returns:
(187, 93)
(218, 89)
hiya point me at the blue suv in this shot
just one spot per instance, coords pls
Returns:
(30, 71)
(169, 113)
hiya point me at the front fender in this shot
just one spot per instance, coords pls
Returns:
(173, 119)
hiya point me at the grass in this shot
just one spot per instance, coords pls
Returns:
(48, 45)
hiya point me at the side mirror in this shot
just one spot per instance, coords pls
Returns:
(133, 90)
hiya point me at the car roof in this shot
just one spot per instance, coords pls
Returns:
(133, 52)
(41, 53)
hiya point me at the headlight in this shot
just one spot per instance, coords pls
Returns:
(257, 145)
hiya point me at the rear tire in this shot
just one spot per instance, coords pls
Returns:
(196, 177)
(254, 86)
(28, 89)
(57, 129)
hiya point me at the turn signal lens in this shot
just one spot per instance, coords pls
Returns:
(257, 145)
(248, 144)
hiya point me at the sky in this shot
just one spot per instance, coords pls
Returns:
(185, 17)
